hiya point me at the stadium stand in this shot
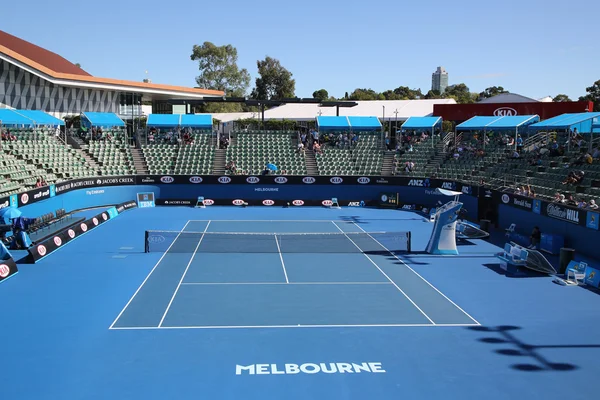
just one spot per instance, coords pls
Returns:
(112, 153)
(196, 157)
(340, 155)
(251, 151)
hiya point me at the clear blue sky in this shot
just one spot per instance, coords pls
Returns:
(532, 47)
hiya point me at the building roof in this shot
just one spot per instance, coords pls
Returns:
(507, 98)
(378, 108)
(498, 123)
(60, 71)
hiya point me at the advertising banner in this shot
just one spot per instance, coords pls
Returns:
(559, 211)
(7, 269)
(388, 200)
(262, 202)
(592, 220)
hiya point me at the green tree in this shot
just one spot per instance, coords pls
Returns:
(492, 91)
(405, 93)
(460, 93)
(363, 94)
(447, 126)
(593, 94)
(433, 94)
(274, 81)
(321, 94)
(561, 98)
(219, 70)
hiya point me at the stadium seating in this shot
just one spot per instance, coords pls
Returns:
(423, 156)
(160, 157)
(112, 153)
(364, 158)
(197, 157)
(252, 151)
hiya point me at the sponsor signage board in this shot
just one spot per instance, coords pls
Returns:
(7, 269)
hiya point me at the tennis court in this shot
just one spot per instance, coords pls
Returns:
(253, 274)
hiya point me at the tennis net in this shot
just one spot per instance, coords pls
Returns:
(234, 242)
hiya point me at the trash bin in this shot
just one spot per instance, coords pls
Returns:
(484, 224)
(566, 256)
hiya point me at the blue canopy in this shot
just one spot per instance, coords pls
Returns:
(580, 121)
(333, 123)
(164, 120)
(105, 120)
(41, 118)
(422, 123)
(13, 118)
(364, 123)
(196, 121)
(509, 123)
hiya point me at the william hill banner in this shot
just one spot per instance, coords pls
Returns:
(567, 214)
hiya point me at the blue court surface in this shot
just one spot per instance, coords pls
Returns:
(298, 303)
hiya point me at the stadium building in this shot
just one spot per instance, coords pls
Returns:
(33, 78)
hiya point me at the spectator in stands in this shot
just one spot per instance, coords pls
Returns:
(317, 148)
(558, 197)
(581, 203)
(230, 167)
(571, 200)
(301, 148)
(592, 205)
(596, 153)
(574, 178)
(515, 154)
(519, 143)
(409, 166)
(535, 238)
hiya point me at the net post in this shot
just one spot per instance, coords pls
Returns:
(146, 235)
(408, 241)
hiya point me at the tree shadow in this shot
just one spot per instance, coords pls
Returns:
(533, 360)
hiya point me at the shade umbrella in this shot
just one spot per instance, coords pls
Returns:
(272, 167)
(7, 214)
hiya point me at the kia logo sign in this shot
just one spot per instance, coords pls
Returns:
(336, 180)
(238, 202)
(308, 180)
(281, 179)
(268, 202)
(224, 179)
(252, 179)
(327, 203)
(57, 241)
(95, 221)
(505, 112)
(298, 202)
(195, 179)
(71, 233)
(24, 198)
(505, 198)
(104, 216)
(83, 227)
(208, 202)
(4, 271)
(167, 179)
(363, 180)
(156, 239)
(41, 249)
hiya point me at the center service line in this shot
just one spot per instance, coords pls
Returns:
(281, 258)
(183, 276)
(384, 274)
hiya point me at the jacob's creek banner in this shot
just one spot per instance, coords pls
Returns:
(56, 241)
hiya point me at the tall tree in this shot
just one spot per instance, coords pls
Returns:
(433, 94)
(363, 94)
(274, 81)
(405, 93)
(460, 93)
(492, 91)
(321, 94)
(561, 98)
(593, 94)
(219, 69)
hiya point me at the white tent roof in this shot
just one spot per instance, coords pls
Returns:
(308, 112)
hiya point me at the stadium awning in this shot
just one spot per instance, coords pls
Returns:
(41, 118)
(364, 123)
(422, 123)
(333, 123)
(204, 121)
(13, 118)
(105, 120)
(164, 120)
(580, 121)
(487, 123)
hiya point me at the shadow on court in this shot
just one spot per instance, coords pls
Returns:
(533, 360)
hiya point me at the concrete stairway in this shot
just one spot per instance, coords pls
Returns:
(387, 167)
(311, 163)
(218, 167)
(139, 163)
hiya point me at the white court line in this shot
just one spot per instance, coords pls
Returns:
(281, 258)
(183, 276)
(285, 283)
(416, 273)
(264, 220)
(137, 328)
(148, 276)
(384, 274)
